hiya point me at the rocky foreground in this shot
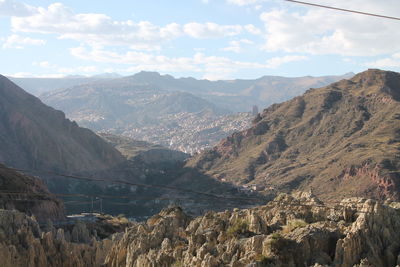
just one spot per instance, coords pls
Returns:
(292, 230)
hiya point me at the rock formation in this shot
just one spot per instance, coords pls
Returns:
(22, 243)
(293, 230)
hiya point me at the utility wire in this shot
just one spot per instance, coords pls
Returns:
(343, 9)
(91, 179)
(300, 203)
(206, 195)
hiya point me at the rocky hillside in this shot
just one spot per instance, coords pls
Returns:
(23, 243)
(290, 231)
(35, 136)
(29, 195)
(340, 140)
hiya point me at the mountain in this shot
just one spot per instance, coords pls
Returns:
(179, 120)
(339, 140)
(29, 195)
(183, 114)
(237, 95)
(36, 136)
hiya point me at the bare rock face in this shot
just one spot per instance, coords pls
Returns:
(23, 244)
(289, 231)
(29, 195)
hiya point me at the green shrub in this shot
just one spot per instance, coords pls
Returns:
(276, 243)
(177, 263)
(293, 224)
(264, 260)
(238, 228)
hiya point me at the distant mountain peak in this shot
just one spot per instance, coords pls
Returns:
(147, 76)
(374, 82)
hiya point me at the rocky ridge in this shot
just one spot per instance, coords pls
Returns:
(23, 243)
(341, 140)
(293, 230)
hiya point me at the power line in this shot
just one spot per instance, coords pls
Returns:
(92, 179)
(4, 192)
(340, 205)
(344, 10)
(207, 195)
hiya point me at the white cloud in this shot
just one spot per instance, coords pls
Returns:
(211, 30)
(16, 9)
(43, 64)
(276, 62)
(321, 31)
(19, 42)
(102, 30)
(252, 29)
(95, 29)
(245, 2)
(388, 62)
(31, 75)
(80, 69)
(66, 70)
(236, 46)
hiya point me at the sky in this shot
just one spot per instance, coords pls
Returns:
(205, 39)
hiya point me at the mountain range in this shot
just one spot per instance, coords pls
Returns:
(184, 114)
(179, 120)
(340, 140)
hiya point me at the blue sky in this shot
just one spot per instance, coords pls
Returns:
(214, 39)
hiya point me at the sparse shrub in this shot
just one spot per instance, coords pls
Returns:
(264, 260)
(276, 243)
(293, 224)
(177, 263)
(280, 197)
(238, 228)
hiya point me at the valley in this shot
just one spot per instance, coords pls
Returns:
(205, 133)
(259, 196)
